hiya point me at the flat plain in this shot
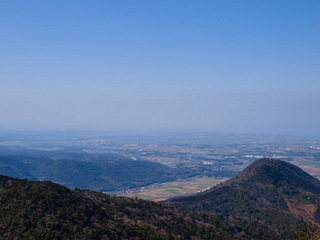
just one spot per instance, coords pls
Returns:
(171, 189)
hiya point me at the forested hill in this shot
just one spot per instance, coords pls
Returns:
(269, 200)
(45, 210)
(99, 173)
(105, 174)
(271, 191)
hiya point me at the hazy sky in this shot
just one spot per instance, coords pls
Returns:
(233, 65)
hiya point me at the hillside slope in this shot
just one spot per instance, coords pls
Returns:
(44, 210)
(108, 174)
(274, 192)
(270, 199)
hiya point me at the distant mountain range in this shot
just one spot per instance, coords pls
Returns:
(100, 175)
(270, 199)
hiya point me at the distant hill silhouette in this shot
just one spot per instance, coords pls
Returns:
(109, 174)
(274, 192)
(102, 173)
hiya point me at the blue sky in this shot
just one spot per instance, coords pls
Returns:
(231, 65)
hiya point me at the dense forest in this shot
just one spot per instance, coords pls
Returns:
(45, 210)
(271, 191)
(270, 199)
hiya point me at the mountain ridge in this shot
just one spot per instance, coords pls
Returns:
(102, 173)
(270, 199)
(45, 210)
(272, 191)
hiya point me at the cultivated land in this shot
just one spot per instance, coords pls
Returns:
(181, 155)
(173, 189)
(310, 166)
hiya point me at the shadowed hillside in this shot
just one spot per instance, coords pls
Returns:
(270, 199)
(271, 191)
(44, 210)
(107, 174)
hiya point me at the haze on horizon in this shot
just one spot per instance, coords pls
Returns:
(230, 65)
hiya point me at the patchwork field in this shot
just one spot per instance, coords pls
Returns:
(172, 189)
(196, 184)
(311, 167)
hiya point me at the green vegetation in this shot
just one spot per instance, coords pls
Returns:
(44, 210)
(309, 233)
(271, 191)
(270, 199)
(110, 174)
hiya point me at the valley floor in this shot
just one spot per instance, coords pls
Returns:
(164, 191)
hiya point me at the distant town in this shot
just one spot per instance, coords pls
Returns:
(211, 154)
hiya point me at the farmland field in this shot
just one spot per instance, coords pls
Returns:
(172, 189)
(310, 166)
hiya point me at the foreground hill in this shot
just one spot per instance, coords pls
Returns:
(45, 210)
(270, 199)
(274, 192)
